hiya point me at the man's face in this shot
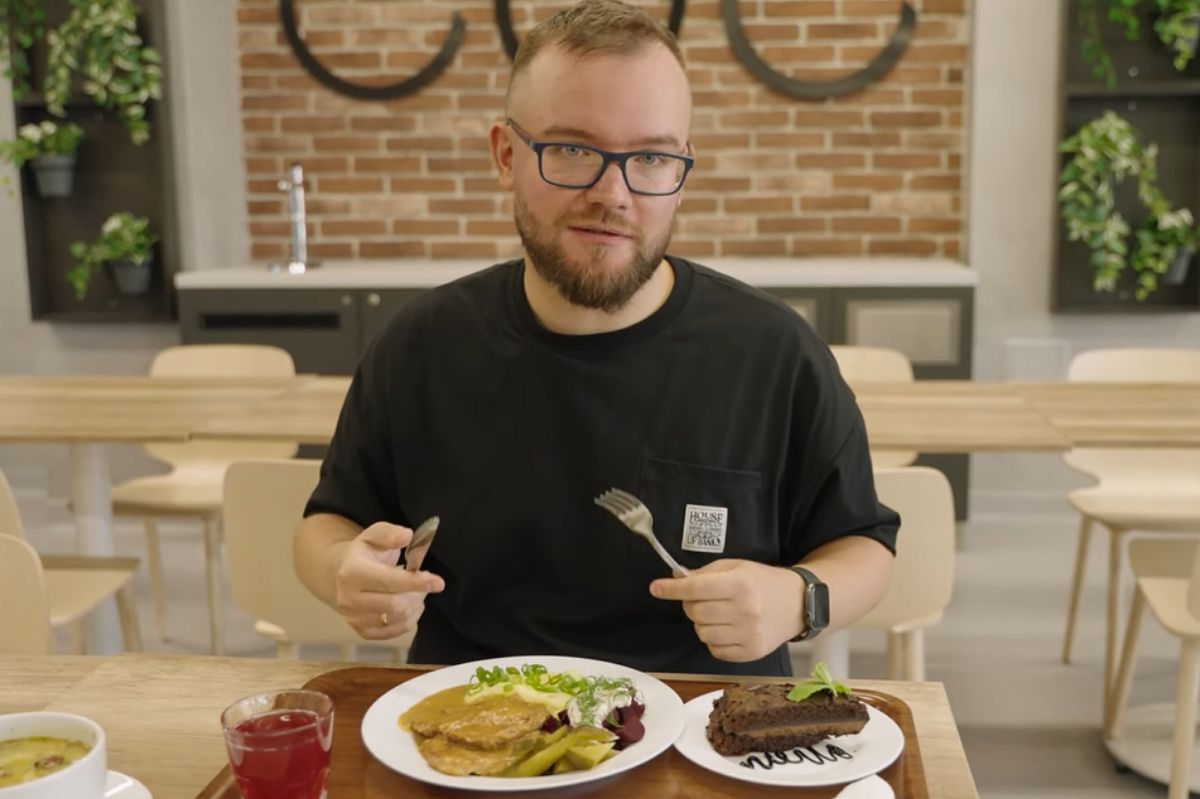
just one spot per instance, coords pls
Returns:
(597, 246)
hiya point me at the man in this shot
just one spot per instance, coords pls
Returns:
(506, 401)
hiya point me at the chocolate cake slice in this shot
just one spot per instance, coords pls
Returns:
(761, 718)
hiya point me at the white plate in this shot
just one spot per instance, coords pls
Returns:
(397, 750)
(121, 786)
(868, 752)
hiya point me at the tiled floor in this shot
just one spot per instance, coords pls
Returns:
(1030, 725)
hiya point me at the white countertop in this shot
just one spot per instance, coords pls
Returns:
(762, 272)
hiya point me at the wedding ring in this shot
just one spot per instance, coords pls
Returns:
(383, 620)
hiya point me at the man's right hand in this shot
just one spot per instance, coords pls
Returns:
(379, 599)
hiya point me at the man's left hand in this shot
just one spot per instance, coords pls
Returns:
(742, 610)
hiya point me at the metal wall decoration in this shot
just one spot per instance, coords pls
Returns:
(427, 75)
(738, 42)
(820, 89)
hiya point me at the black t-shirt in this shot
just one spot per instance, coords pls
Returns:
(723, 411)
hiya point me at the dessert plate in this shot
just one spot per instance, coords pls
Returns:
(834, 761)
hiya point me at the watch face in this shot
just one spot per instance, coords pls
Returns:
(818, 606)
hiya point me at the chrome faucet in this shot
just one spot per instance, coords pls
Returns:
(298, 257)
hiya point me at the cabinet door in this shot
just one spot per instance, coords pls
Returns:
(376, 308)
(932, 326)
(320, 328)
(812, 304)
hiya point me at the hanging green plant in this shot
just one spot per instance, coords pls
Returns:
(1105, 152)
(99, 42)
(1177, 26)
(1119, 12)
(22, 24)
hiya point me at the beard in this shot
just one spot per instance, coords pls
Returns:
(589, 284)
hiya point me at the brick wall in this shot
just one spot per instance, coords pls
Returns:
(878, 173)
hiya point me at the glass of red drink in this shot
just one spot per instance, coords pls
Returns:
(279, 744)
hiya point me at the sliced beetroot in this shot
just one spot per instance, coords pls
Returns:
(552, 723)
(626, 724)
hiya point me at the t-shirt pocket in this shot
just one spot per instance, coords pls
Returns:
(707, 513)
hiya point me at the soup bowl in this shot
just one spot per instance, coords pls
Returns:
(83, 779)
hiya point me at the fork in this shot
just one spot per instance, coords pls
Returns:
(634, 514)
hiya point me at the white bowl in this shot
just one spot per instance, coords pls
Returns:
(83, 779)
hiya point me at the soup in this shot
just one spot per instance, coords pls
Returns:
(26, 759)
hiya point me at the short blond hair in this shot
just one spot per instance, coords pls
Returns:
(595, 28)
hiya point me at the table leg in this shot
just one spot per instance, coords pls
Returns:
(834, 649)
(92, 500)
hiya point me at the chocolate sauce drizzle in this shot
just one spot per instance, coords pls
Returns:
(833, 753)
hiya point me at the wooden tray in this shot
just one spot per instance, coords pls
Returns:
(355, 774)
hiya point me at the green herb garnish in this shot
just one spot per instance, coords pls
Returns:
(820, 680)
(538, 677)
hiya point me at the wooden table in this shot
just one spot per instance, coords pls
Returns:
(90, 412)
(161, 714)
(933, 416)
(305, 414)
(1119, 414)
(954, 416)
(929, 416)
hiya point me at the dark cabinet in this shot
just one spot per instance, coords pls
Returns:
(319, 327)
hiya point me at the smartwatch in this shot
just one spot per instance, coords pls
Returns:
(816, 604)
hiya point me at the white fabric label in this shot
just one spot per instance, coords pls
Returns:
(704, 528)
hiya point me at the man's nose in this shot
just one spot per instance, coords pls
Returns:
(611, 189)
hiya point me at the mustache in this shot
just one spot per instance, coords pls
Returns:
(610, 223)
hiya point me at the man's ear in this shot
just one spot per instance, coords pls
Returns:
(691, 151)
(502, 153)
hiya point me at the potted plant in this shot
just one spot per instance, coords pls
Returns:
(1167, 243)
(126, 245)
(49, 149)
(1104, 153)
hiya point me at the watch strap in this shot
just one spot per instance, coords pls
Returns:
(811, 629)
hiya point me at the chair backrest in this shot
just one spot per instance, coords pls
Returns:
(872, 364)
(10, 518)
(24, 612)
(264, 502)
(923, 574)
(221, 360)
(876, 365)
(1127, 365)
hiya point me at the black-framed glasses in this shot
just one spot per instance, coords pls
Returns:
(571, 165)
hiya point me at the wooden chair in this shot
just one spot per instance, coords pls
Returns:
(923, 574)
(41, 593)
(1138, 489)
(193, 486)
(1168, 583)
(876, 365)
(264, 502)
